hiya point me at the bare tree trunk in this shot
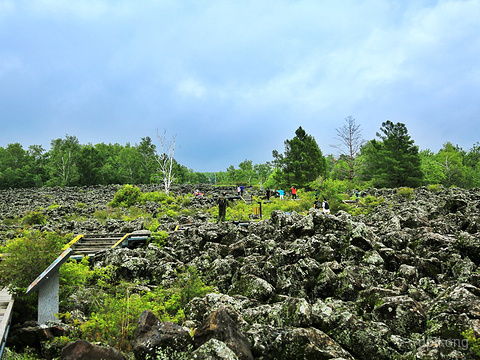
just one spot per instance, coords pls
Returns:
(351, 141)
(165, 160)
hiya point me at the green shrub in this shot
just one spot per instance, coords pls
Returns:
(118, 307)
(28, 354)
(11, 221)
(135, 212)
(126, 196)
(30, 253)
(190, 285)
(159, 238)
(155, 196)
(405, 192)
(473, 341)
(35, 217)
(171, 213)
(434, 187)
(73, 274)
(103, 215)
(53, 206)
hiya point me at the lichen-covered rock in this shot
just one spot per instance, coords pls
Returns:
(83, 350)
(272, 343)
(288, 312)
(399, 281)
(213, 349)
(219, 325)
(253, 287)
(402, 314)
(151, 337)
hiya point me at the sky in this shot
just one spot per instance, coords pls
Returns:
(232, 80)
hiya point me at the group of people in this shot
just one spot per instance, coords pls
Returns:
(281, 193)
(324, 205)
(240, 189)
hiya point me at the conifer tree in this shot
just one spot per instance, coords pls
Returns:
(394, 160)
(302, 161)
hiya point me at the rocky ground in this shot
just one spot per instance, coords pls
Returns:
(401, 282)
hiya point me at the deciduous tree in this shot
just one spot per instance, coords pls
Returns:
(351, 142)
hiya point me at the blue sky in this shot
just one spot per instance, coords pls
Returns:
(234, 79)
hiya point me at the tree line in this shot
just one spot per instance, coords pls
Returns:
(390, 160)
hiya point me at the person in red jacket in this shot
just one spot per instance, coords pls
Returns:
(294, 192)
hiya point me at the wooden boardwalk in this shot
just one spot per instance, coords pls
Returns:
(6, 307)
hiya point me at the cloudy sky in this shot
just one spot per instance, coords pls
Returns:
(233, 79)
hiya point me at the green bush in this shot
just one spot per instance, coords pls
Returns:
(103, 215)
(405, 192)
(159, 238)
(155, 196)
(434, 187)
(30, 253)
(53, 206)
(28, 354)
(364, 206)
(73, 274)
(126, 196)
(35, 217)
(118, 307)
(473, 341)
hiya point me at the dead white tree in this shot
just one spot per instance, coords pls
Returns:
(165, 160)
(351, 140)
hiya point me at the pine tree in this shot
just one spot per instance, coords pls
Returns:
(302, 161)
(393, 161)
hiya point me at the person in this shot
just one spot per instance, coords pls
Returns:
(267, 194)
(315, 203)
(325, 206)
(241, 190)
(294, 192)
(222, 208)
(356, 193)
(280, 193)
(238, 190)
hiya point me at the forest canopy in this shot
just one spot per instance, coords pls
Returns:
(390, 160)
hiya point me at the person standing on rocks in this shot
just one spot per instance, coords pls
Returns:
(222, 208)
(294, 192)
(280, 193)
(325, 206)
(356, 193)
(267, 194)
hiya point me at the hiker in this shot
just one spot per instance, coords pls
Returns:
(280, 193)
(316, 204)
(267, 194)
(325, 206)
(222, 208)
(241, 190)
(356, 193)
(294, 192)
(238, 190)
